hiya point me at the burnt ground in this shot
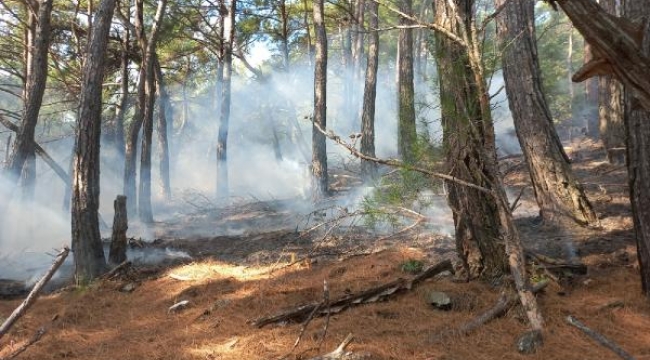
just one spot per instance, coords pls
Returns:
(252, 259)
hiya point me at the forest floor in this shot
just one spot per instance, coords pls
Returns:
(249, 261)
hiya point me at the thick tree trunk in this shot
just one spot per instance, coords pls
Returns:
(37, 50)
(164, 111)
(559, 195)
(610, 108)
(86, 239)
(369, 168)
(469, 149)
(222, 139)
(319, 181)
(637, 122)
(406, 132)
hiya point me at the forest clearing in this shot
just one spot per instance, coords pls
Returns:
(324, 179)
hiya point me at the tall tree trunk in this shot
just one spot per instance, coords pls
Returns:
(560, 197)
(348, 79)
(369, 168)
(35, 81)
(319, 180)
(590, 106)
(124, 100)
(164, 111)
(222, 140)
(144, 196)
(285, 34)
(131, 148)
(469, 148)
(359, 29)
(610, 107)
(86, 239)
(305, 19)
(406, 133)
(637, 123)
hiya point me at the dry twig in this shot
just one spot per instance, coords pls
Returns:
(33, 295)
(599, 338)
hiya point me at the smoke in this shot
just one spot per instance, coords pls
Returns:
(269, 150)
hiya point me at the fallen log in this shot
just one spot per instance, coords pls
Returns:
(33, 295)
(37, 336)
(599, 338)
(376, 294)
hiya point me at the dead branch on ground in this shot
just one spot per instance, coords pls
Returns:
(599, 338)
(33, 295)
(37, 336)
(514, 249)
(375, 294)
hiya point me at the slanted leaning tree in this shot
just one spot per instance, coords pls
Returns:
(21, 160)
(560, 196)
(86, 238)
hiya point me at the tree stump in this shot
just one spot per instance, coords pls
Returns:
(117, 253)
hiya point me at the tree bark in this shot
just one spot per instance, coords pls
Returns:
(590, 106)
(610, 107)
(124, 100)
(406, 133)
(319, 180)
(144, 196)
(37, 49)
(223, 188)
(131, 148)
(164, 111)
(369, 168)
(469, 147)
(637, 123)
(117, 254)
(86, 239)
(560, 197)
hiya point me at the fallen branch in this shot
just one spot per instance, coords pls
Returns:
(599, 338)
(33, 295)
(379, 293)
(37, 336)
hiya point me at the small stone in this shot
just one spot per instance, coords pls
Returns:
(128, 287)
(528, 342)
(439, 300)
